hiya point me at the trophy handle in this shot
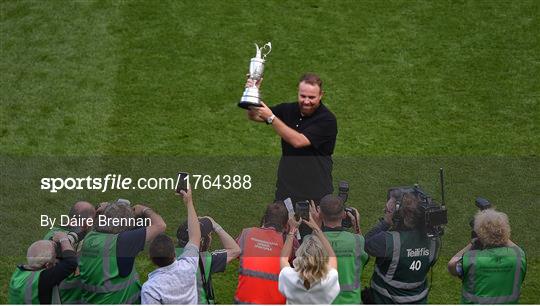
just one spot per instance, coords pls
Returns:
(267, 46)
(258, 53)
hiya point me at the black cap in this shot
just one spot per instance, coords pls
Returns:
(182, 233)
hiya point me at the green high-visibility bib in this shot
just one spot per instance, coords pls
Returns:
(99, 273)
(493, 276)
(23, 287)
(351, 258)
(401, 278)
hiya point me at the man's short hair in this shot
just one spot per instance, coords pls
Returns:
(492, 228)
(40, 253)
(332, 207)
(410, 211)
(162, 251)
(311, 79)
(276, 215)
(120, 210)
(82, 209)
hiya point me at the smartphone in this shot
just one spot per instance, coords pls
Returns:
(289, 205)
(302, 210)
(182, 182)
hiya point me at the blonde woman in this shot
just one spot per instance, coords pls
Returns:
(314, 278)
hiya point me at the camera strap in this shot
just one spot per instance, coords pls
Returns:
(207, 283)
(433, 267)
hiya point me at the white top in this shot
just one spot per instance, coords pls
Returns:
(322, 292)
(175, 283)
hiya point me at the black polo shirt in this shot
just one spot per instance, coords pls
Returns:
(306, 173)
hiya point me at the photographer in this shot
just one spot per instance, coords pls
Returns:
(107, 260)
(348, 247)
(210, 262)
(82, 211)
(35, 282)
(404, 253)
(493, 268)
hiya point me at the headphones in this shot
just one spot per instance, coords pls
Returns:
(397, 218)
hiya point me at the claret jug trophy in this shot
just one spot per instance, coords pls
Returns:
(256, 68)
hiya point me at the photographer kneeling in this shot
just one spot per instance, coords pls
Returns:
(492, 268)
(404, 253)
(49, 262)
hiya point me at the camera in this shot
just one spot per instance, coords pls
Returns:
(76, 234)
(433, 216)
(302, 210)
(347, 221)
(343, 193)
(73, 240)
(481, 204)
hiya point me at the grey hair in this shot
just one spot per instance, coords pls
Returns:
(40, 253)
(120, 210)
(492, 227)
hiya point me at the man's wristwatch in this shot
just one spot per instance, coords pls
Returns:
(270, 119)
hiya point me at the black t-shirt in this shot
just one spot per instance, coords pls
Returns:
(53, 276)
(306, 173)
(128, 245)
(219, 261)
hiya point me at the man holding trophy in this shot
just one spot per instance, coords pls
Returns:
(308, 134)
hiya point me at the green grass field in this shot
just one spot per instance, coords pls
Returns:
(145, 89)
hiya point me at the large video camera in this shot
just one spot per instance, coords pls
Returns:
(433, 216)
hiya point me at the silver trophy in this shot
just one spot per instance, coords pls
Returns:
(256, 68)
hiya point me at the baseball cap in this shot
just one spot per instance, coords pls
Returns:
(182, 233)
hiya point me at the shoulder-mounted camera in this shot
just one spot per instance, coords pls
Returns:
(432, 216)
